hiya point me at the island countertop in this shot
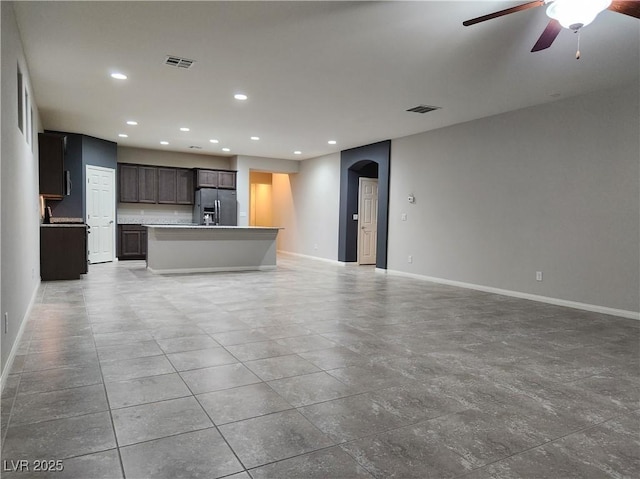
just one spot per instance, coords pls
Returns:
(221, 227)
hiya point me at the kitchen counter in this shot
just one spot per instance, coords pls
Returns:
(201, 248)
(64, 225)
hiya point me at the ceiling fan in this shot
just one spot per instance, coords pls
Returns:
(570, 14)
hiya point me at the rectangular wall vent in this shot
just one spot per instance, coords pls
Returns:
(178, 62)
(423, 108)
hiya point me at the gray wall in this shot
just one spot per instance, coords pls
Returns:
(19, 203)
(309, 210)
(552, 188)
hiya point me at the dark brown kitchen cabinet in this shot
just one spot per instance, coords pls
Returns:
(155, 184)
(224, 179)
(184, 188)
(128, 183)
(63, 251)
(207, 179)
(147, 184)
(132, 242)
(167, 185)
(227, 180)
(51, 148)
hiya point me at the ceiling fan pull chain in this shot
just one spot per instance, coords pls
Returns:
(578, 51)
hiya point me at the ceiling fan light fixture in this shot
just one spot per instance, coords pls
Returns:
(574, 14)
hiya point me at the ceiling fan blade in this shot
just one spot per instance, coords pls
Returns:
(548, 36)
(628, 7)
(507, 11)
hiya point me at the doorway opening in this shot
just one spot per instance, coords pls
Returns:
(372, 162)
(100, 201)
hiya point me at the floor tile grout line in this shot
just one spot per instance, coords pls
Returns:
(546, 443)
(113, 427)
(215, 426)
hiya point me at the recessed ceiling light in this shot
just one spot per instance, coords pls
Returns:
(240, 96)
(226, 149)
(297, 152)
(184, 128)
(122, 135)
(164, 142)
(213, 140)
(131, 122)
(119, 76)
(255, 138)
(332, 142)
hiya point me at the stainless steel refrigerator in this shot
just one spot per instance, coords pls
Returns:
(218, 204)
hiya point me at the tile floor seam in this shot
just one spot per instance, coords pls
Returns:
(546, 443)
(215, 426)
(113, 427)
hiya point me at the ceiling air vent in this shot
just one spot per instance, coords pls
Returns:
(423, 108)
(193, 147)
(178, 62)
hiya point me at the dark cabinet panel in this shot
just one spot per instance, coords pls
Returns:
(207, 179)
(63, 252)
(216, 179)
(167, 185)
(51, 149)
(184, 193)
(147, 184)
(132, 242)
(227, 180)
(128, 183)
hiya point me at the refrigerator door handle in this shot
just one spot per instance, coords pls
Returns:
(217, 212)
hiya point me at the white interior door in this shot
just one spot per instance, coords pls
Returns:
(367, 220)
(101, 200)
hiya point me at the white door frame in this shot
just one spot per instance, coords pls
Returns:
(112, 172)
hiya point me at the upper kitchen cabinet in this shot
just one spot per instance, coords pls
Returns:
(227, 180)
(52, 149)
(155, 184)
(224, 179)
(206, 178)
(167, 185)
(184, 190)
(128, 183)
(147, 184)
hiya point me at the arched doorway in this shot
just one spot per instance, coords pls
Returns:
(371, 161)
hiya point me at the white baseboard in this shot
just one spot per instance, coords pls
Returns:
(14, 348)
(220, 269)
(517, 294)
(317, 258)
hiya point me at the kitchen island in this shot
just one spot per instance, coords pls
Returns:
(205, 249)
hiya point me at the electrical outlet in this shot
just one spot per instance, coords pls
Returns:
(315, 246)
(410, 259)
(6, 323)
(403, 217)
(538, 275)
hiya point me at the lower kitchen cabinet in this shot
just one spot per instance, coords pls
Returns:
(63, 251)
(132, 242)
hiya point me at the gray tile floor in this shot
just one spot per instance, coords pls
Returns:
(317, 371)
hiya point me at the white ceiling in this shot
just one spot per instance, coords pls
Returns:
(314, 71)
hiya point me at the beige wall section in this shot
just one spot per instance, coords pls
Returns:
(261, 199)
(145, 156)
(19, 203)
(310, 218)
(552, 188)
(284, 212)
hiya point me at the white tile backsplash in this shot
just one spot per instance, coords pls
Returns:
(139, 213)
